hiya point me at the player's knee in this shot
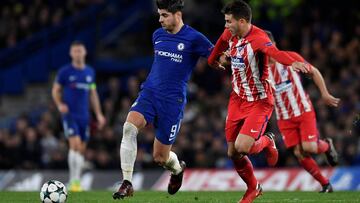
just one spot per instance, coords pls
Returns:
(299, 152)
(234, 155)
(310, 148)
(159, 159)
(137, 119)
(241, 148)
(231, 154)
(75, 143)
(129, 130)
(78, 148)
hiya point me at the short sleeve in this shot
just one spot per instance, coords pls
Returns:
(61, 77)
(203, 46)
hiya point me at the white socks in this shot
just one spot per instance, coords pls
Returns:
(72, 164)
(75, 162)
(79, 165)
(172, 164)
(128, 150)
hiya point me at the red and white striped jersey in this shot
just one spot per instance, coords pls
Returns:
(291, 100)
(249, 65)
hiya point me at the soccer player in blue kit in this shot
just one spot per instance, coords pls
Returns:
(177, 48)
(72, 91)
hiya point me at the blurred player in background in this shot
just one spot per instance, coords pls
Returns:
(251, 101)
(73, 88)
(161, 102)
(296, 117)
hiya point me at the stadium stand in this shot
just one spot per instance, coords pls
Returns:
(33, 139)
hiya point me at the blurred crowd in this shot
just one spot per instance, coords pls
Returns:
(21, 19)
(328, 37)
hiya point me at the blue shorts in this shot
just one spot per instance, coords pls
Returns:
(76, 126)
(164, 114)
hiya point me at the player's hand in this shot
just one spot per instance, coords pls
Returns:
(218, 65)
(300, 67)
(63, 108)
(224, 60)
(101, 121)
(330, 100)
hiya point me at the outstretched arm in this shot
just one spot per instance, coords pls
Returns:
(285, 58)
(265, 45)
(320, 83)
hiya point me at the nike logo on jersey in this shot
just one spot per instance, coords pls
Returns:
(157, 42)
(311, 136)
(253, 131)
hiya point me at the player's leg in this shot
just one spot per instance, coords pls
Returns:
(310, 165)
(251, 140)
(241, 162)
(166, 158)
(244, 168)
(140, 114)
(73, 162)
(81, 157)
(167, 128)
(128, 149)
(71, 131)
(311, 142)
(79, 143)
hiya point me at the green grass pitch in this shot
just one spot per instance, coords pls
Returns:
(187, 197)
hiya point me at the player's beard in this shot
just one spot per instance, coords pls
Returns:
(235, 30)
(169, 27)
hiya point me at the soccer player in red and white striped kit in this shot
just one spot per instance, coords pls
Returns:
(296, 117)
(251, 102)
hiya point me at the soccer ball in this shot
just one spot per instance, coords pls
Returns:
(53, 191)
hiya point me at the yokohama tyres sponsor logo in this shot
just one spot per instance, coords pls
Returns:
(227, 180)
(174, 57)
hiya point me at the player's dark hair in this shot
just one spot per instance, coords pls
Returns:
(77, 43)
(270, 35)
(172, 6)
(239, 9)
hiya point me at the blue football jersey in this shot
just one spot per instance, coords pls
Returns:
(76, 86)
(175, 56)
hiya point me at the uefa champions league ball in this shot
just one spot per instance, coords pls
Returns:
(53, 191)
